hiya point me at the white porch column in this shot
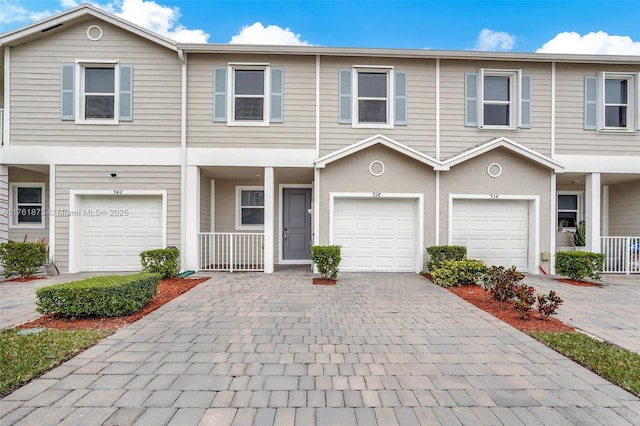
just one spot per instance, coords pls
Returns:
(592, 211)
(191, 222)
(269, 205)
(4, 203)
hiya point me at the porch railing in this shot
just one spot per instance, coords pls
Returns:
(231, 251)
(621, 254)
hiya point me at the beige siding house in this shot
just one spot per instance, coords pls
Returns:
(116, 140)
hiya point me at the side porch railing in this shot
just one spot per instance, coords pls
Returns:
(231, 251)
(621, 254)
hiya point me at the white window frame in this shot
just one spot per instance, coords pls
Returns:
(231, 98)
(13, 205)
(515, 90)
(633, 101)
(81, 65)
(239, 225)
(389, 70)
(579, 208)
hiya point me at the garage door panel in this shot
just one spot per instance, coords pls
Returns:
(375, 234)
(114, 242)
(495, 231)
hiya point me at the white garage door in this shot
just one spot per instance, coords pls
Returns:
(115, 229)
(495, 231)
(376, 234)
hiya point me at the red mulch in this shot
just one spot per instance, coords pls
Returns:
(324, 281)
(168, 290)
(578, 283)
(25, 279)
(476, 295)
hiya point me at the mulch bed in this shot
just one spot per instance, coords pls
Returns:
(578, 283)
(168, 290)
(25, 279)
(324, 281)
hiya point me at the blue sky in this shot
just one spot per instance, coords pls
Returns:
(570, 26)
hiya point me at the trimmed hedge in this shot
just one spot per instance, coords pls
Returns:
(104, 296)
(439, 254)
(453, 273)
(327, 259)
(161, 261)
(23, 258)
(579, 264)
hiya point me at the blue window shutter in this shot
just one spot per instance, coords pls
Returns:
(277, 90)
(220, 94)
(344, 105)
(126, 93)
(67, 92)
(401, 98)
(525, 103)
(590, 103)
(471, 99)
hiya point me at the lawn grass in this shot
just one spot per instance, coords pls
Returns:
(25, 357)
(619, 366)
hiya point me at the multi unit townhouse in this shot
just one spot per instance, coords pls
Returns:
(117, 140)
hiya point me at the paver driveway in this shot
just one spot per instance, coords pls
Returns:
(273, 349)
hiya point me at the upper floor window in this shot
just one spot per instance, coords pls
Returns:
(27, 205)
(249, 208)
(255, 94)
(372, 97)
(611, 102)
(498, 99)
(96, 92)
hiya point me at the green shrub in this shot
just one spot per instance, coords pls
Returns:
(327, 259)
(580, 235)
(579, 264)
(548, 304)
(453, 273)
(438, 254)
(104, 296)
(161, 261)
(23, 258)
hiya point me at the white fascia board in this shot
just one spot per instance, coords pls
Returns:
(600, 163)
(502, 142)
(373, 140)
(93, 156)
(251, 157)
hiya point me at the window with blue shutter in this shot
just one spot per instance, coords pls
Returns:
(471, 99)
(220, 94)
(67, 92)
(344, 101)
(400, 98)
(126, 93)
(277, 90)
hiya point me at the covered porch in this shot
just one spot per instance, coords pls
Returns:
(249, 218)
(608, 203)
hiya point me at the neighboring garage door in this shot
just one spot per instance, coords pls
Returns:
(495, 231)
(376, 234)
(115, 229)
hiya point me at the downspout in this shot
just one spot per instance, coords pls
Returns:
(183, 158)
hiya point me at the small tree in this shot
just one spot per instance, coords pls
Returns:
(327, 259)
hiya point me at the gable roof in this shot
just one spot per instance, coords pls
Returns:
(77, 15)
(375, 140)
(508, 144)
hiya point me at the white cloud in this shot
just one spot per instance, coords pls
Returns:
(148, 14)
(272, 34)
(13, 11)
(592, 43)
(494, 40)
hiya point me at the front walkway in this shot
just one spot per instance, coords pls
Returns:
(273, 349)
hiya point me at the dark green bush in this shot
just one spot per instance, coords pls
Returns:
(327, 259)
(104, 296)
(438, 254)
(161, 261)
(579, 264)
(23, 258)
(453, 273)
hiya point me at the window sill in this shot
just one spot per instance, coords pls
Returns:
(248, 124)
(617, 132)
(372, 126)
(25, 226)
(99, 122)
(504, 128)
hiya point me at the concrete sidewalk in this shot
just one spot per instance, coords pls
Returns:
(273, 349)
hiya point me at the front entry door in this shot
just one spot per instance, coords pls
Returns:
(296, 224)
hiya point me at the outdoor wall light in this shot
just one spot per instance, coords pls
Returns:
(114, 174)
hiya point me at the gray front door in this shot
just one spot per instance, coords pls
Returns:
(296, 224)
